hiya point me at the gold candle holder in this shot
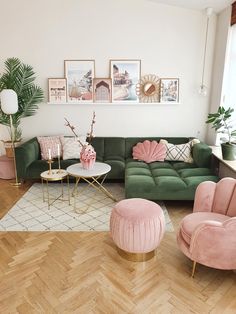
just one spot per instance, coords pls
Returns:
(59, 165)
(50, 161)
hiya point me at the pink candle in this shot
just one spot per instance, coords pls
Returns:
(58, 150)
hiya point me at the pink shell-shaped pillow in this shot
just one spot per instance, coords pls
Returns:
(149, 151)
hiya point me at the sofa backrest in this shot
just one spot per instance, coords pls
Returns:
(121, 147)
(26, 154)
(113, 150)
(33, 149)
(202, 154)
(109, 147)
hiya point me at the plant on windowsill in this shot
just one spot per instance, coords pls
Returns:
(221, 122)
(20, 77)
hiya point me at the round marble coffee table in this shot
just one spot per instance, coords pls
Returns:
(92, 176)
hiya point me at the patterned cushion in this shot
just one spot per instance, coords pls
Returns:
(181, 152)
(71, 148)
(49, 142)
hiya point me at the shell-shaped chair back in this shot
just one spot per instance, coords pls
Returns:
(217, 197)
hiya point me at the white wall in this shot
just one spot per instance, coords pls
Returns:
(222, 32)
(169, 41)
(228, 89)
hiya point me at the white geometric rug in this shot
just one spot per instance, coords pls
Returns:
(30, 213)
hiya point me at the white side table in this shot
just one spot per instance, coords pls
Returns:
(99, 171)
(55, 175)
(226, 168)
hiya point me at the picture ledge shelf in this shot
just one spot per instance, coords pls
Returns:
(114, 103)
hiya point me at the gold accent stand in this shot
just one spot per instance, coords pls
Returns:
(50, 161)
(95, 184)
(17, 183)
(59, 165)
(193, 269)
(55, 177)
(136, 257)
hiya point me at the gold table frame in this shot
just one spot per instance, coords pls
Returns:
(91, 180)
(55, 175)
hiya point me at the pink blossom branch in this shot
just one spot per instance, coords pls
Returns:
(90, 134)
(73, 130)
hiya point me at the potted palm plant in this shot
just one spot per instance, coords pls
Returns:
(20, 77)
(221, 122)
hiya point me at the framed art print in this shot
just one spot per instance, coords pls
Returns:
(79, 75)
(125, 74)
(57, 90)
(169, 90)
(102, 90)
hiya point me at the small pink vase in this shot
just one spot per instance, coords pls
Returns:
(87, 157)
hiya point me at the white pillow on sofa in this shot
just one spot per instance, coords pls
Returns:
(180, 152)
(71, 148)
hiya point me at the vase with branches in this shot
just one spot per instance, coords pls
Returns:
(87, 154)
(20, 77)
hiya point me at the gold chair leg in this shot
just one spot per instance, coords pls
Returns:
(194, 268)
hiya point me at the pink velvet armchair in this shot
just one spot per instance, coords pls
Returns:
(208, 235)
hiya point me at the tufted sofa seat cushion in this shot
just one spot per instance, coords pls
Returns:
(164, 180)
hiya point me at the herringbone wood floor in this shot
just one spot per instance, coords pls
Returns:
(81, 272)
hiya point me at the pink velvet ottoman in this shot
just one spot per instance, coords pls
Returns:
(137, 227)
(6, 168)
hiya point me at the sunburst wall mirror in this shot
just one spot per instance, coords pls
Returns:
(148, 88)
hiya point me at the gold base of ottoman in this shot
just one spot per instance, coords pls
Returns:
(136, 257)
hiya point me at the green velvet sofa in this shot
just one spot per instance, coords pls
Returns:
(155, 181)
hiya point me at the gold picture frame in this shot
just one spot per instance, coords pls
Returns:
(125, 74)
(169, 90)
(102, 90)
(79, 75)
(57, 90)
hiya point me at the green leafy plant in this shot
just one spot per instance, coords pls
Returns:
(20, 77)
(221, 122)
